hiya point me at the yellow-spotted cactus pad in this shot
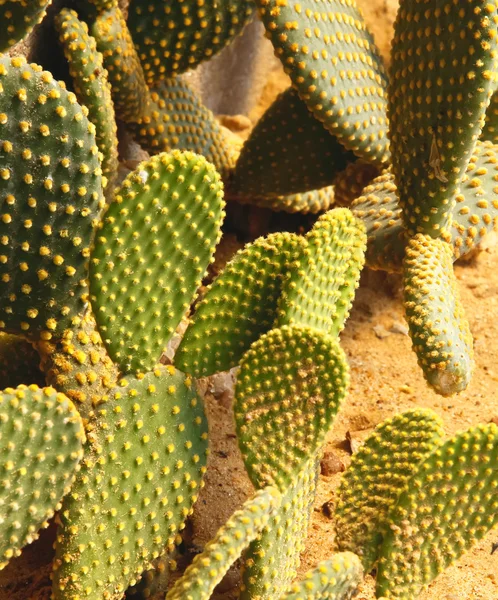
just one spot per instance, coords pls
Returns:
(444, 60)
(78, 365)
(320, 288)
(350, 183)
(151, 252)
(239, 306)
(337, 578)
(19, 362)
(490, 129)
(333, 62)
(272, 559)
(288, 152)
(313, 202)
(154, 581)
(376, 477)
(41, 439)
(439, 330)
(289, 389)
(448, 506)
(17, 19)
(91, 85)
(209, 567)
(173, 37)
(129, 91)
(50, 195)
(139, 480)
(177, 119)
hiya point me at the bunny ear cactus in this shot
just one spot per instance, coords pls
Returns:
(41, 438)
(312, 202)
(150, 254)
(17, 19)
(138, 483)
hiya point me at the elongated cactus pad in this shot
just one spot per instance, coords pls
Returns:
(438, 51)
(41, 438)
(17, 19)
(151, 252)
(350, 183)
(129, 91)
(336, 68)
(209, 567)
(51, 190)
(290, 386)
(91, 85)
(288, 152)
(448, 506)
(137, 485)
(334, 579)
(239, 306)
(313, 202)
(272, 559)
(377, 475)
(320, 288)
(439, 330)
(78, 365)
(19, 362)
(176, 36)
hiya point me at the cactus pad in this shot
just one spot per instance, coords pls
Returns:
(377, 475)
(151, 252)
(18, 17)
(174, 37)
(19, 362)
(350, 183)
(209, 567)
(91, 85)
(448, 506)
(313, 202)
(136, 487)
(290, 386)
(239, 306)
(51, 192)
(434, 125)
(41, 438)
(288, 152)
(336, 68)
(439, 330)
(490, 129)
(320, 289)
(334, 579)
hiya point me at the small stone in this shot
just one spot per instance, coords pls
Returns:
(331, 464)
(381, 332)
(406, 389)
(398, 327)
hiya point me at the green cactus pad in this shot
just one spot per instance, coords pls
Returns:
(490, 129)
(288, 152)
(313, 202)
(17, 19)
(78, 365)
(438, 51)
(350, 183)
(439, 330)
(19, 362)
(333, 62)
(151, 252)
(153, 582)
(129, 91)
(334, 579)
(239, 306)
(289, 388)
(320, 289)
(174, 37)
(136, 487)
(177, 119)
(91, 85)
(209, 567)
(377, 475)
(448, 506)
(51, 193)
(272, 559)
(41, 438)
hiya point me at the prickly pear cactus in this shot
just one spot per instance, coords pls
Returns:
(312, 202)
(41, 438)
(17, 19)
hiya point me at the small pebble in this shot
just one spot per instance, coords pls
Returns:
(331, 464)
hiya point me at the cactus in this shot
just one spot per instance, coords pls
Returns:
(209, 567)
(490, 129)
(350, 183)
(91, 85)
(153, 582)
(172, 38)
(239, 307)
(19, 362)
(449, 504)
(51, 185)
(320, 288)
(439, 330)
(334, 579)
(315, 201)
(377, 475)
(18, 17)
(138, 482)
(167, 213)
(41, 437)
